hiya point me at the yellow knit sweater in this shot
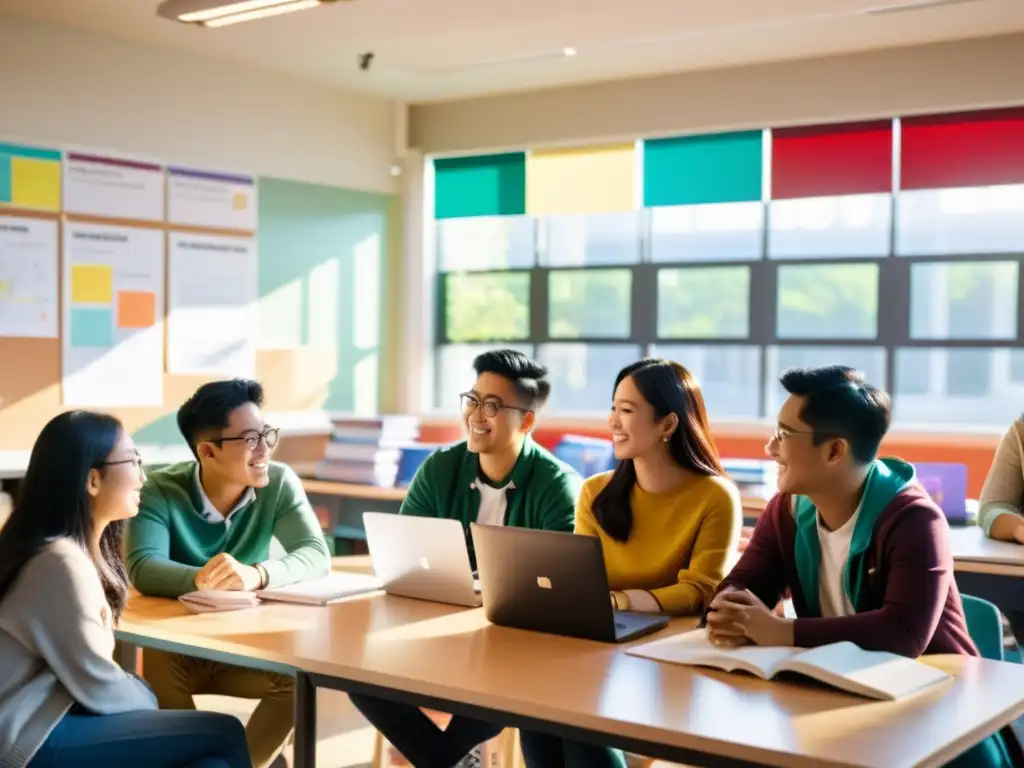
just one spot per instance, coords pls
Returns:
(682, 543)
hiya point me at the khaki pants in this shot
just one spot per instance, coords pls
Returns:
(175, 679)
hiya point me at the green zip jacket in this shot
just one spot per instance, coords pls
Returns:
(170, 540)
(543, 495)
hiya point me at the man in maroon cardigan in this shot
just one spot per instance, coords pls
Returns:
(861, 547)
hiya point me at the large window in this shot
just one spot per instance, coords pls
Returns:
(894, 247)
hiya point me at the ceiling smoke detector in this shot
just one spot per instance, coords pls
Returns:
(221, 13)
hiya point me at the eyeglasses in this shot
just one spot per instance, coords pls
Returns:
(135, 460)
(781, 433)
(268, 436)
(490, 407)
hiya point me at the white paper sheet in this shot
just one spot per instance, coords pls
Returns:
(114, 187)
(212, 314)
(210, 199)
(112, 316)
(28, 278)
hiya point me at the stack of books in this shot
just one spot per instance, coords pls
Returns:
(367, 450)
(755, 478)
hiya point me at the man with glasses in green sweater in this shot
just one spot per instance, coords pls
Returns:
(208, 524)
(497, 476)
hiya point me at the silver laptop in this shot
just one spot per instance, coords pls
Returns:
(549, 581)
(421, 557)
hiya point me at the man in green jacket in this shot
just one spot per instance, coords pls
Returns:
(208, 524)
(497, 476)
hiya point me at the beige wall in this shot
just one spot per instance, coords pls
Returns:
(940, 77)
(72, 87)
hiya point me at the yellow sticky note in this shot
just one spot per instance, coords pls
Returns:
(240, 201)
(35, 183)
(92, 284)
(585, 180)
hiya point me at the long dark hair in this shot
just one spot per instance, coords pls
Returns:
(53, 503)
(669, 388)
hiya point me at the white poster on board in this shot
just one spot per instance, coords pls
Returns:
(28, 278)
(112, 342)
(210, 199)
(213, 296)
(113, 187)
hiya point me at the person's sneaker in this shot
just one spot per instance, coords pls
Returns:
(472, 760)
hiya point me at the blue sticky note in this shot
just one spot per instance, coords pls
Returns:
(92, 327)
(6, 186)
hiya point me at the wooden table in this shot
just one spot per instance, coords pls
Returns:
(973, 552)
(451, 659)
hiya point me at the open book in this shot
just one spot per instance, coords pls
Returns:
(336, 586)
(874, 674)
(211, 600)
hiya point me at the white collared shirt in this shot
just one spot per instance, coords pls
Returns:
(210, 512)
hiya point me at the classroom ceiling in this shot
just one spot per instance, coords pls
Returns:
(430, 50)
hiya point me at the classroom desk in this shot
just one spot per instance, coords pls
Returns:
(752, 506)
(451, 659)
(973, 552)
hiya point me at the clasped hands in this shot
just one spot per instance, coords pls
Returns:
(736, 617)
(225, 572)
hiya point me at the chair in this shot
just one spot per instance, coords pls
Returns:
(985, 626)
(587, 455)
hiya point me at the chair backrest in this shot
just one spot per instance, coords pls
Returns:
(587, 455)
(985, 624)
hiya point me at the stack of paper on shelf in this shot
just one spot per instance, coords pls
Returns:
(367, 450)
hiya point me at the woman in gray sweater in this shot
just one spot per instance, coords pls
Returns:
(63, 700)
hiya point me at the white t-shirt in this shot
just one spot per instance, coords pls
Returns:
(493, 503)
(835, 551)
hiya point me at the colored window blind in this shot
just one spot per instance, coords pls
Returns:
(30, 177)
(962, 150)
(485, 185)
(690, 170)
(586, 180)
(853, 159)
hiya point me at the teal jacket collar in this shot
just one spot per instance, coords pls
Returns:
(885, 479)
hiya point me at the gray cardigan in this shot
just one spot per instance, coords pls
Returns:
(56, 649)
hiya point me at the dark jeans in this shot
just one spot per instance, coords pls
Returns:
(151, 738)
(543, 751)
(414, 734)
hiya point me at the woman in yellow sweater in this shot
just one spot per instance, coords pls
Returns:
(667, 517)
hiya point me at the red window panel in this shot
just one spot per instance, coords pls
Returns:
(830, 160)
(975, 149)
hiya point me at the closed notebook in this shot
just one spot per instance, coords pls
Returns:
(330, 589)
(212, 600)
(848, 667)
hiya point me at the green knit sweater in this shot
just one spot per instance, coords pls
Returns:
(170, 540)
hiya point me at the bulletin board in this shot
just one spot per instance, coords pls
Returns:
(298, 374)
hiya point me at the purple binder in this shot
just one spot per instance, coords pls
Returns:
(947, 484)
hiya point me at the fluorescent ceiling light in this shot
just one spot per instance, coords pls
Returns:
(225, 10)
(262, 13)
(220, 13)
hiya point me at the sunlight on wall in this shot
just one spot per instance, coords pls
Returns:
(366, 306)
(322, 290)
(365, 387)
(280, 317)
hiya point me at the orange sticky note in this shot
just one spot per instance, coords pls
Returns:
(136, 309)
